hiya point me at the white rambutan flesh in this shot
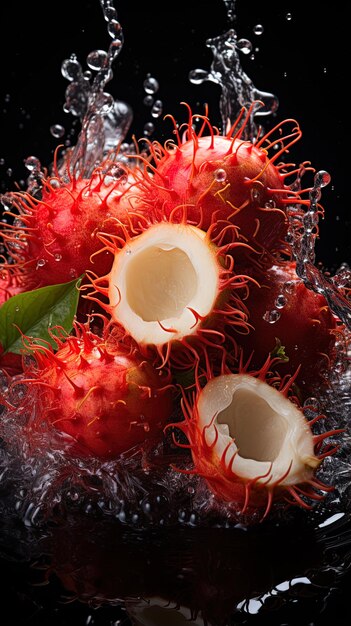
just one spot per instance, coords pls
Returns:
(268, 434)
(164, 282)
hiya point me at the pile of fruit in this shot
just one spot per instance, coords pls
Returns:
(158, 300)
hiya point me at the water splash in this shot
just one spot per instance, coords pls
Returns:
(302, 236)
(237, 89)
(104, 121)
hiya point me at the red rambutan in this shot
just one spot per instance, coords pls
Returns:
(108, 401)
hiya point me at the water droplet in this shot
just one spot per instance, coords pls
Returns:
(40, 263)
(197, 77)
(322, 179)
(2, 161)
(280, 301)
(114, 30)
(71, 69)
(220, 175)
(32, 163)
(148, 101)
(245, 46)
(324, 70)
(285, 74)
(6, 201)
(57, 130)
(271, 316)
(97, 59)
(9, 171)
(255, 194)
(58, 257)
(148, 129)
(150, 84)
(17, 309)
(157, 108)
(288, 17)
(258, 29)
(270, 204)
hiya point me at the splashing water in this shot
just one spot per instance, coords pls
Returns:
(123, 489)
(237, 89)
(105, 121)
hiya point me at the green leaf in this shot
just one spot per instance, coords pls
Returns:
(34, 312)
(279, 351)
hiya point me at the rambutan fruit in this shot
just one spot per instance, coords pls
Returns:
(284, 315)
(107, 401)
(251, 443)
(226, 180)
(53, 239)
(172, 287)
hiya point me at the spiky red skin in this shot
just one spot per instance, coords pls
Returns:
(306, 327)
(10, 362)
(108, 403)
(186, 177)
(63, 243)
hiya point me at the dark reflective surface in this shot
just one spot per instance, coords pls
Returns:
(86, 570)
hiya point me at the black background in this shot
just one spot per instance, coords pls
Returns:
(304, 62)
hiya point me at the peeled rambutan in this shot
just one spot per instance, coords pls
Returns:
(53, 239)
(173, 289)
(285, 315)
(252, 444)
(108, 401)
(226, 180)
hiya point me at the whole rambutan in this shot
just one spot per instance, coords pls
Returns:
(107, 400)
(251, 443)
(286, 316)
(53, 238)
(224, 180)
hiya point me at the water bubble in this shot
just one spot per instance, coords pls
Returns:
(40, 263)
(150, 84)
(97, 59)
(197, 77)
(6, 202)
(271, 316)
(71, 69)
(110, 13)
(114, 30)
(32, 163)
(245, 46)
(148, 101)
(258, 29)
(280, 301)
(148, 129)
(322, 178)
(2, 161)
(58, 257)
(9, 171)
(220, 175)
(288, 17)
(157, 108)
(57, 130)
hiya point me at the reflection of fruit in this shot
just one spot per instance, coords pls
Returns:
(284, 311)
(108, 401)
(171, 285)
(252, 444)
(224, 180)
(54, 239)
(202, 571)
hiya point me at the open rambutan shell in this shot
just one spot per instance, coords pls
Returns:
(173, 290)
(252, 444)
